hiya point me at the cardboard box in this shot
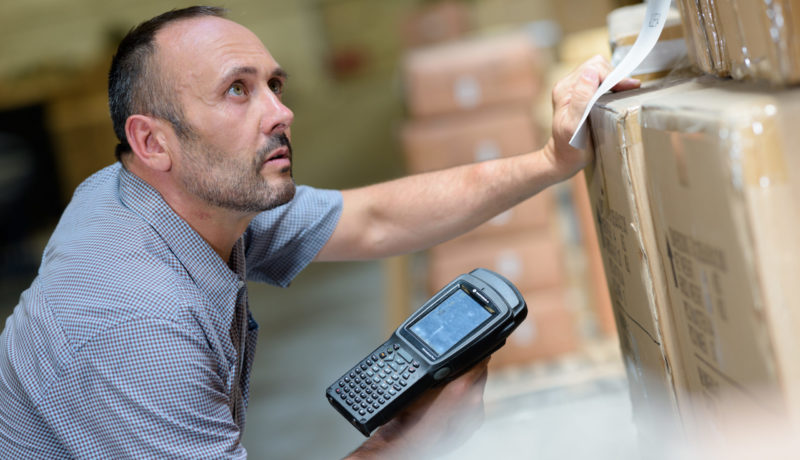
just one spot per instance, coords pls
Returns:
(593, 277)
(435, 23)
(361, 37)
(617, 183)
(447, 141)
(530, 260)
(669, 53)
(471, 74)
(578, 15)
(723, 181)
(502, 13)
(533, 215)
(745, 39)
(549, 331)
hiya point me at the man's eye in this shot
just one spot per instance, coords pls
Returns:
(236, 89)
(276, 86)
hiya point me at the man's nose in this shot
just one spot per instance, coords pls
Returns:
(277, 117)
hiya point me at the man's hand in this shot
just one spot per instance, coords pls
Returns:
(440, 420)
(570, 98)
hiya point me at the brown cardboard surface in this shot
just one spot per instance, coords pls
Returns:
(435, 23)
(531, 260)
(744, 38)
(617, 187)
(547, 332)
(457, 139)
(472, 74)
(533, 214)
(595, 278)
(624, 25)
(723, 184)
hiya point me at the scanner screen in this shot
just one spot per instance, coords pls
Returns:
(452, 320)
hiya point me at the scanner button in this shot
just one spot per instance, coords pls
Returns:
(441, 373)
(396, 346)
(404, 354)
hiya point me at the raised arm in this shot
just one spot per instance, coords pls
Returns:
(419, 211)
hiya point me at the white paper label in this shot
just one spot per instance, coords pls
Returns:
(655, 18)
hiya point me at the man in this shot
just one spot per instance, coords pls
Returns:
(135, 340)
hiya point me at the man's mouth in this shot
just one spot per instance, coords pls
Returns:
(280, 158)
(279, 154)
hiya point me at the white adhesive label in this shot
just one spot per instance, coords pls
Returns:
(467, 91)
(654, 19)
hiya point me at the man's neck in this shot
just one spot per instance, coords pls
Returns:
(219, 227)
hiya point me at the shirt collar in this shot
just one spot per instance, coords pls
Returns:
(206, 268)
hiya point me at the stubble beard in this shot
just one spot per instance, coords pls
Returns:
(228, 183)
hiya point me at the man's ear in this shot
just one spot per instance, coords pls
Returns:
(146, 136)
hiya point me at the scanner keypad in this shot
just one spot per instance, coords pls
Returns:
(377, 380)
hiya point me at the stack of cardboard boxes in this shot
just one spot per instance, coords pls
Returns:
(695, 191)
(744, 38)
(473, 100)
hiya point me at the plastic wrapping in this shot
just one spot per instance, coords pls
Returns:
(744, 39)
(695, 187)
(723, 184)
(617, 188)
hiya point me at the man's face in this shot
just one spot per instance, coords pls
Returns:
(236, 152)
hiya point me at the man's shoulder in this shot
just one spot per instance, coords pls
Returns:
(105, 265)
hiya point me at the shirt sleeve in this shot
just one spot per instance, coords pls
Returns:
(283, 241)
(148, 388)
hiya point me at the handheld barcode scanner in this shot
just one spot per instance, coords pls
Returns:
(465, 322)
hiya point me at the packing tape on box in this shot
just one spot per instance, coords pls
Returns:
(654, 19)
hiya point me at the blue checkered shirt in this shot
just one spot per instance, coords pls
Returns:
(135, 340)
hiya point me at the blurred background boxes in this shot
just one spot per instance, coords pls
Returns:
(440, 142)
(548, 332)
(529, 260)
(470, 74)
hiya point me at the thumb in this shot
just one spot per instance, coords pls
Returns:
(583, 90)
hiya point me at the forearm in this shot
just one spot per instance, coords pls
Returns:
(419, 211)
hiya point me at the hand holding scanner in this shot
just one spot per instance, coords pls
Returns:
(459, 326)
